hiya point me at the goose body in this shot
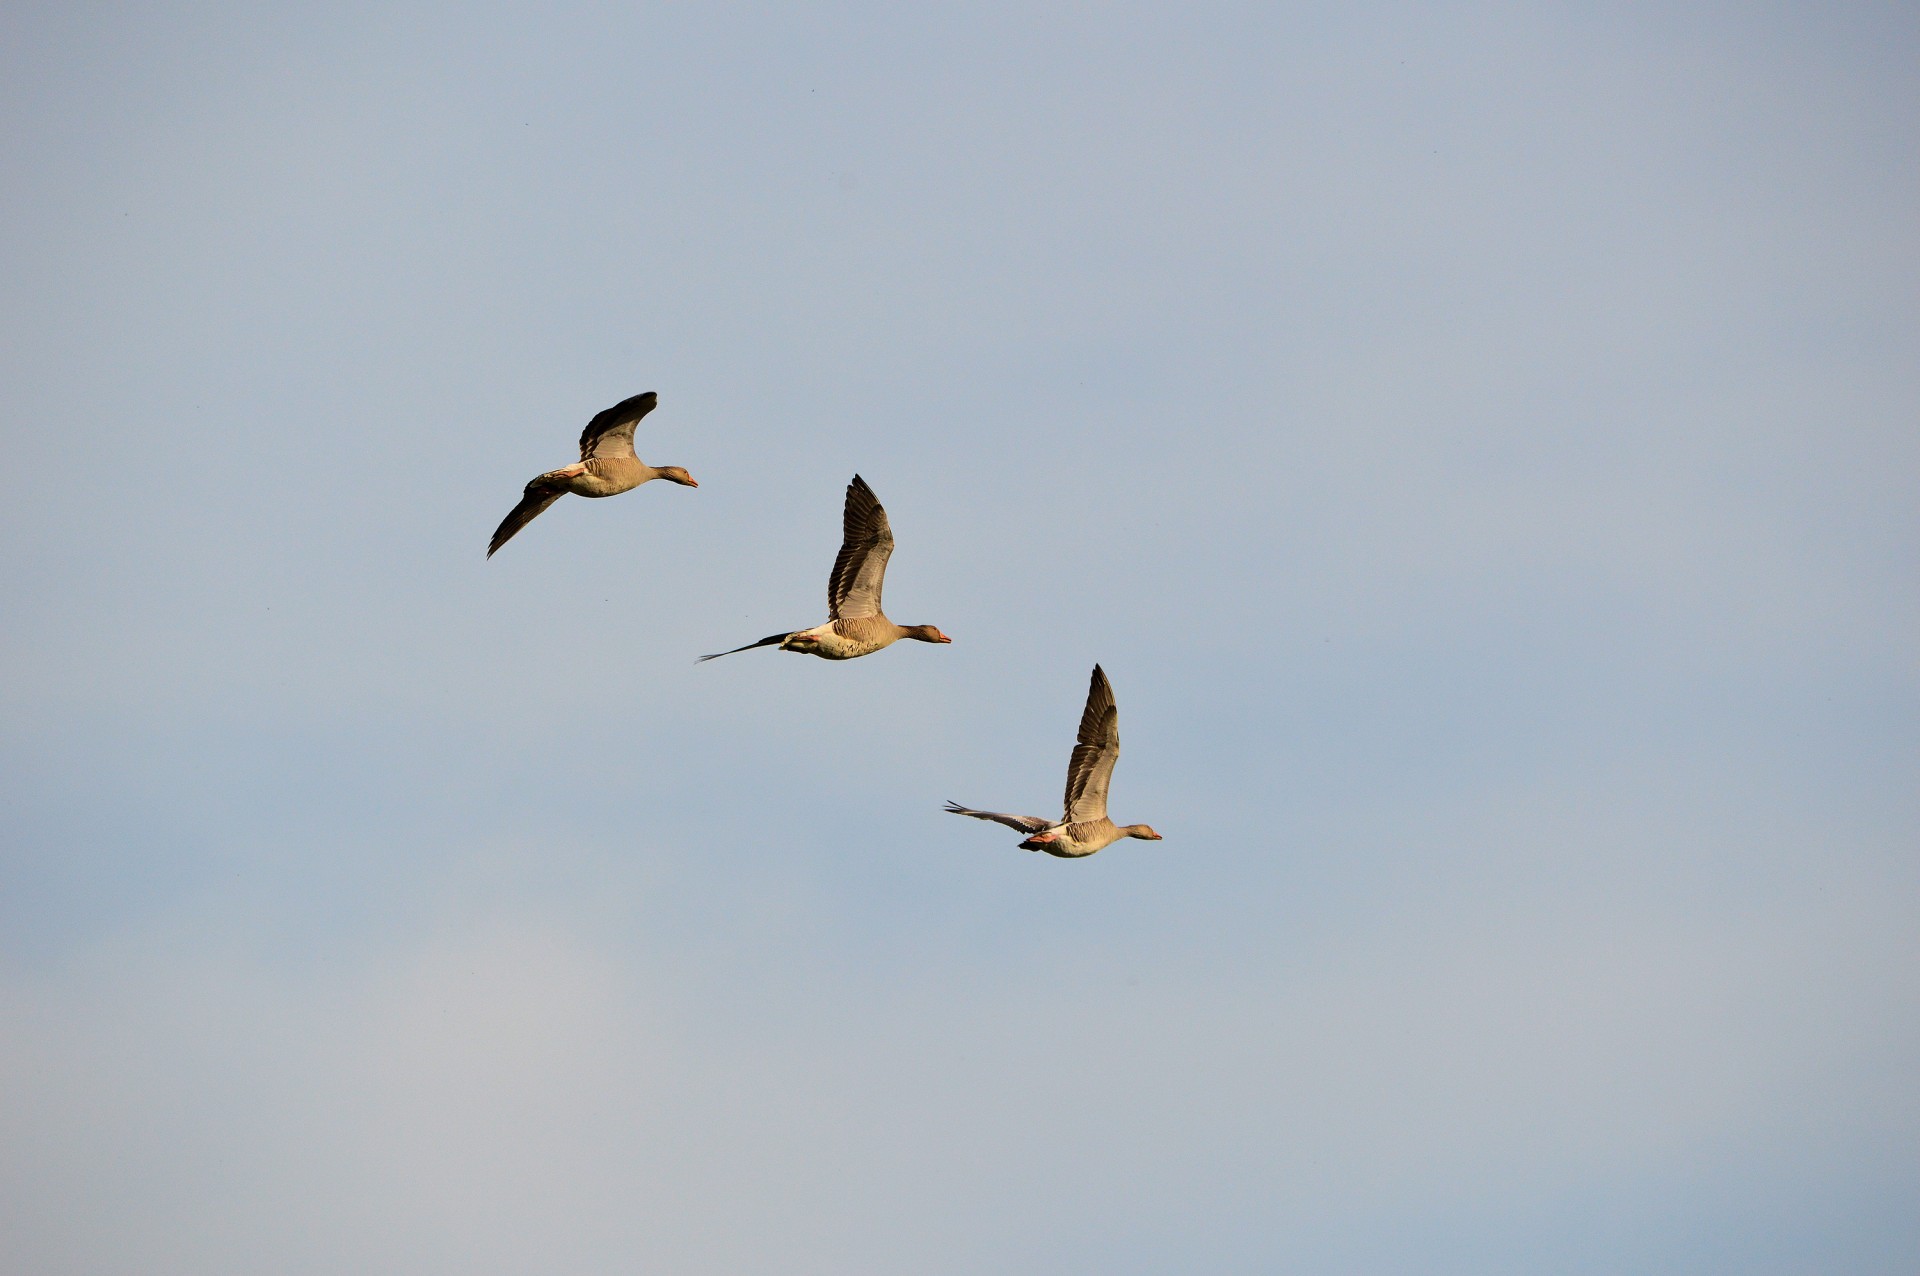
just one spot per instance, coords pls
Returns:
(607, 467)
(1084, 828)
(845, 639)
(856, 626)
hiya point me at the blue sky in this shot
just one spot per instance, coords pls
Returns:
(1478, 441)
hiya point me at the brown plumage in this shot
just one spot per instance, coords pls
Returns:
(856, 626)
(1085, 827)
(607, 467)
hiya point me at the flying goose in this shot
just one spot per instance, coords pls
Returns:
(1085, 828)
(607, 467)
(857, 626)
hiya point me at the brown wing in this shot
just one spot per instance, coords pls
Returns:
(768, 641)
(611, 432)
(1025, 823)
(1090, 770)
(538, 495)
(866, 542)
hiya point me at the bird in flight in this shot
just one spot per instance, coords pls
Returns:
(1085, 827)
(607, 467)
(856, 625)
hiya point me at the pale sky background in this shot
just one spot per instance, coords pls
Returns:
(1479, 441)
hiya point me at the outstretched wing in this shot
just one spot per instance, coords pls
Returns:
(1025, 823)
(768, 641)
(611, 433)
(1090, 770)
(853, 591)
(538, 495)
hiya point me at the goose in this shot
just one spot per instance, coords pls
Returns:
(1085, 827)
(607, 467)
(856, 625)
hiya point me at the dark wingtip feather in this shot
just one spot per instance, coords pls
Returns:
(768, 641)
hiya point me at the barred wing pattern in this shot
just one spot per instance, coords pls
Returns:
(1090, 771)
(611, 432)
(853, 591)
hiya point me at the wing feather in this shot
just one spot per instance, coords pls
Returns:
(866, 542)
(533, 502)
(611, 432)
(1025, 823)
(768, 641)
(1090, 769)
